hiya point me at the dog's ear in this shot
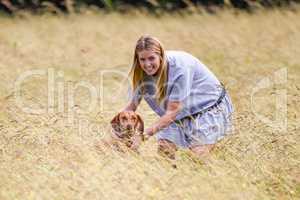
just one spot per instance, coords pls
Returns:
(115, 123)
(139, 126)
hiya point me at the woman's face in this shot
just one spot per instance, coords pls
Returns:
(149, 62)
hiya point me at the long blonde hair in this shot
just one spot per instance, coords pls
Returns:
(137, 74)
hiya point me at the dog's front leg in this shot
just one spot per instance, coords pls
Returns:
(136, 142)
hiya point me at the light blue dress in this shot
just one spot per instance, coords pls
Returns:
(192, 83)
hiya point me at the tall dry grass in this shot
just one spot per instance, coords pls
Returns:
(45, 156)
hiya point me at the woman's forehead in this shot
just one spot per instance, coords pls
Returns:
(146, 53)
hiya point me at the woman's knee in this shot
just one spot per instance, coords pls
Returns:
(166, 148)
(202, 150)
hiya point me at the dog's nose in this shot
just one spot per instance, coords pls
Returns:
(129, 127)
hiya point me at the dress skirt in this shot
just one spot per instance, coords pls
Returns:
(206, 128)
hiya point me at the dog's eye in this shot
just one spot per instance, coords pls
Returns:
(133, 118)
(124, 118)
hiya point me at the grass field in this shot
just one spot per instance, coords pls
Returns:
(56, 154)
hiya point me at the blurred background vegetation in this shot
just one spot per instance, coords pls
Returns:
(154, 6)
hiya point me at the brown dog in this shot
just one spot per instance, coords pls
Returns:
(127, 128)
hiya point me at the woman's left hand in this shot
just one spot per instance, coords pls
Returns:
(149, 132)
(173, 108)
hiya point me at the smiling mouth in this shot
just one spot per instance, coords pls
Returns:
(150, 69)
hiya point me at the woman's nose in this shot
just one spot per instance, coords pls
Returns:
(147, 63)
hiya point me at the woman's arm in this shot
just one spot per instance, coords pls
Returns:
(173, 108)
(132, 106)
(135, 99)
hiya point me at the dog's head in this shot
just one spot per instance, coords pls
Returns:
(126, 123)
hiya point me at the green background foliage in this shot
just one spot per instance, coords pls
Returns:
(11, 6)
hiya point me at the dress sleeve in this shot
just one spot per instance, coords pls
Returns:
(181, 86)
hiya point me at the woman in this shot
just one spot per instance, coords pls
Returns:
(194, 108)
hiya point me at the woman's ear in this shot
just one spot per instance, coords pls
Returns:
(139, 124)
(115, 123)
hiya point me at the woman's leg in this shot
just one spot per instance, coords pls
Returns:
(167, 148)
(202, 151)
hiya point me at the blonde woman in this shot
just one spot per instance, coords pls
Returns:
(194, 108)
